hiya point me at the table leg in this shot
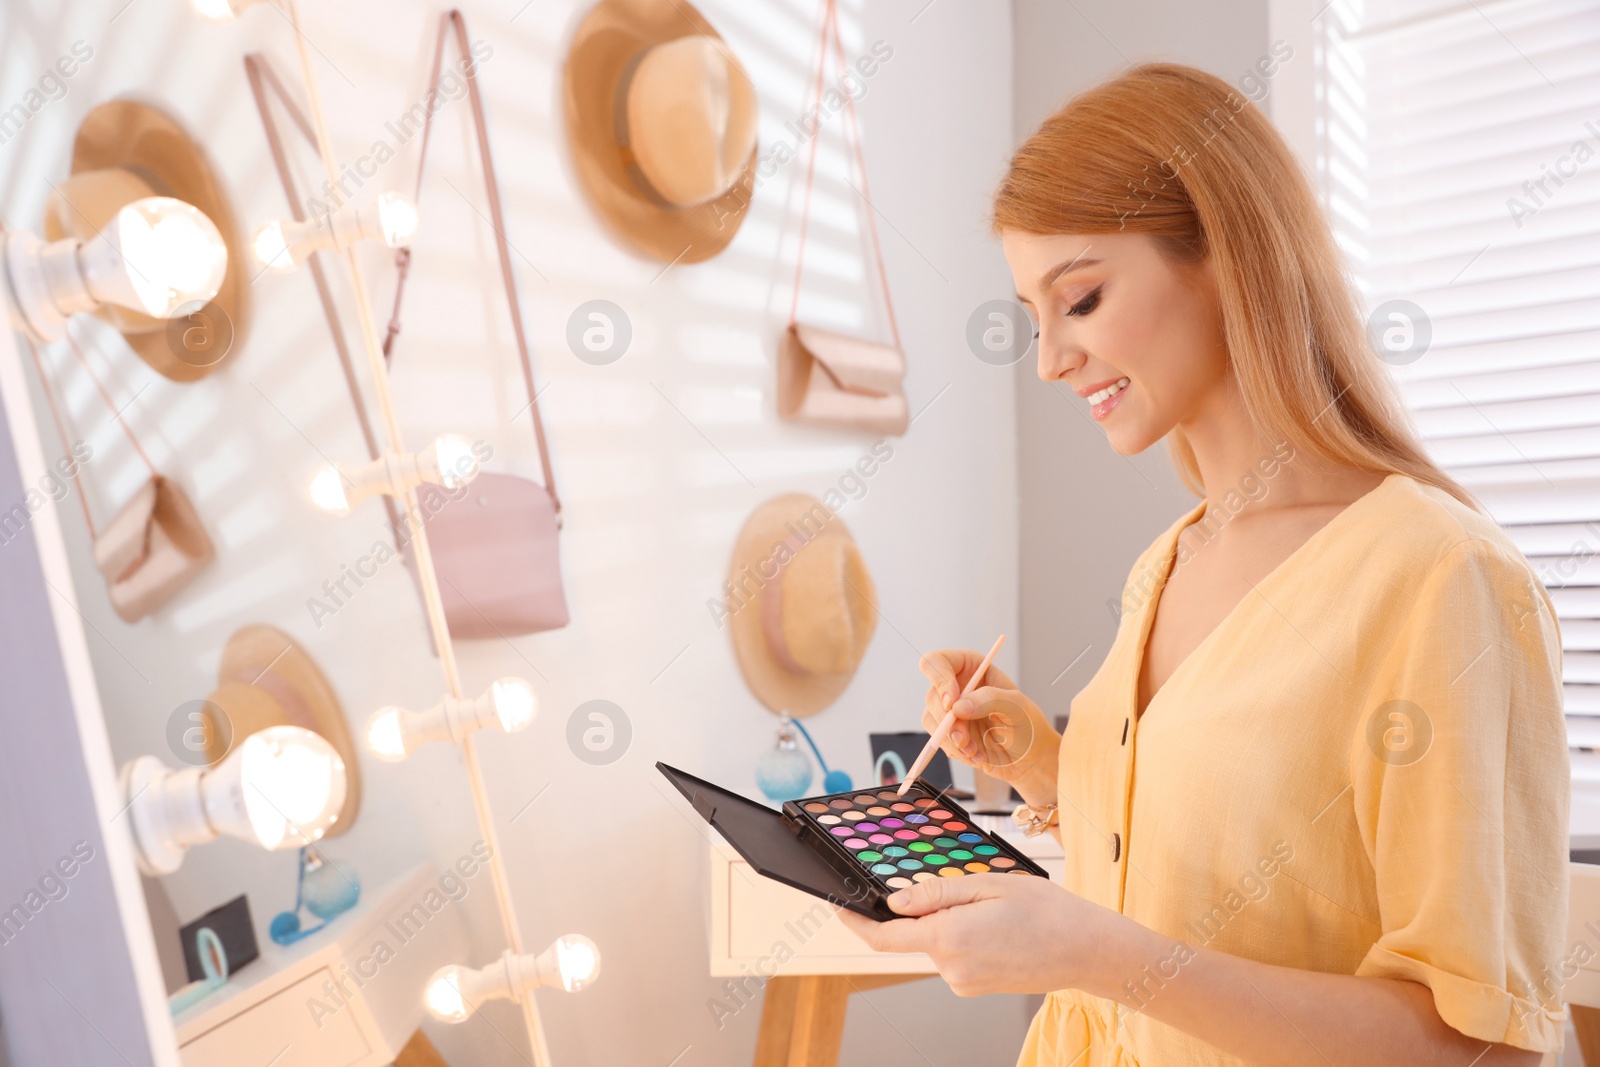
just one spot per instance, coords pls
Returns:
(1586, 1021)
(802, 1016)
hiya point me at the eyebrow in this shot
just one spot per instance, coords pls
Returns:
(1050, 276)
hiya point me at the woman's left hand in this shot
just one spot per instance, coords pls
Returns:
(993, 933)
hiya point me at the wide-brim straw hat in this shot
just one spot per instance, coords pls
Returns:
(125, 151)
(803, 607)
(267, 679)
(661, 119)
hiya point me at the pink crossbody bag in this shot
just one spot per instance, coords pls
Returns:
(495, 543)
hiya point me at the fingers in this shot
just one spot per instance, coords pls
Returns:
(896, 935)
(946, 669)
(936, 894)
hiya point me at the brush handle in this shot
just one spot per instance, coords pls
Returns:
(942, 731)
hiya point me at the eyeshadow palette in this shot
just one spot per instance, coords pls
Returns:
(853, 849)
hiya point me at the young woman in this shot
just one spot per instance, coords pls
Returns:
(1314, 802)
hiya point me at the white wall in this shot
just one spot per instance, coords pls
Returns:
(653, 502)
(1085, 513)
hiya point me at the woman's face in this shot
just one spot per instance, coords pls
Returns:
(1138, 336)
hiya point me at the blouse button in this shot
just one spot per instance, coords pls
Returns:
(1116, 847)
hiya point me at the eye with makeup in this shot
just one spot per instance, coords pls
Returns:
(1087, 304)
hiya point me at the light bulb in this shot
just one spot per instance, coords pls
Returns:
(393, 733)
(515, 703)
(156, 256)
(444, 999)
(455, 460)
(577, 961)
(281, 787)
(397, 219)
(327, 491)
(284, 244)
(455, 992)
(386, 734)
(450, 462)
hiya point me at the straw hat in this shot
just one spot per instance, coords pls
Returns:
(802, 604)
(125, 151)
(268, 679)
(661, 118)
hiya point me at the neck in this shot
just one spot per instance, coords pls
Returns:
(1238, 462)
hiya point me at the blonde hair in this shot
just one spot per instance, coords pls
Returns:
(1176, 153)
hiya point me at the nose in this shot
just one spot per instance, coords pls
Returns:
(1058, 355)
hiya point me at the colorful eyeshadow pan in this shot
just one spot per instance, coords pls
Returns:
(904, 840)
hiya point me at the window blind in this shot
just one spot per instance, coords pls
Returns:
(1459, 159)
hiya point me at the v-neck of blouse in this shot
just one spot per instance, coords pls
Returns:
(1169, 557)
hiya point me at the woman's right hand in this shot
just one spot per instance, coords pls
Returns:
(998, 730)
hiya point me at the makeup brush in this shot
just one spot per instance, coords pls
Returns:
(943, 731)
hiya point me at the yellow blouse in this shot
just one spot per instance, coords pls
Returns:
(1363, 770)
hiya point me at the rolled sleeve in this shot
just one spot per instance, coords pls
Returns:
(1461, 787)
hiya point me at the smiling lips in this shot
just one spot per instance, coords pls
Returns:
(1104, 399)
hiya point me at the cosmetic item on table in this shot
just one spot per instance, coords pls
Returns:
(825, 377)
(125, 151)
(853, 849)
(783, 772)
(213, 968)
(893, 753)
(941, 732)
(322, 889)
(156, 544)
(496, 543)
(230, 924)
(662, 123)
(801, 606)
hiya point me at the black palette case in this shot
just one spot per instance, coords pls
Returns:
(878, 855)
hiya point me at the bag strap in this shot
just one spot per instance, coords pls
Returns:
(830, 30)
(452, 20)
(61, 426)
(261, 76)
